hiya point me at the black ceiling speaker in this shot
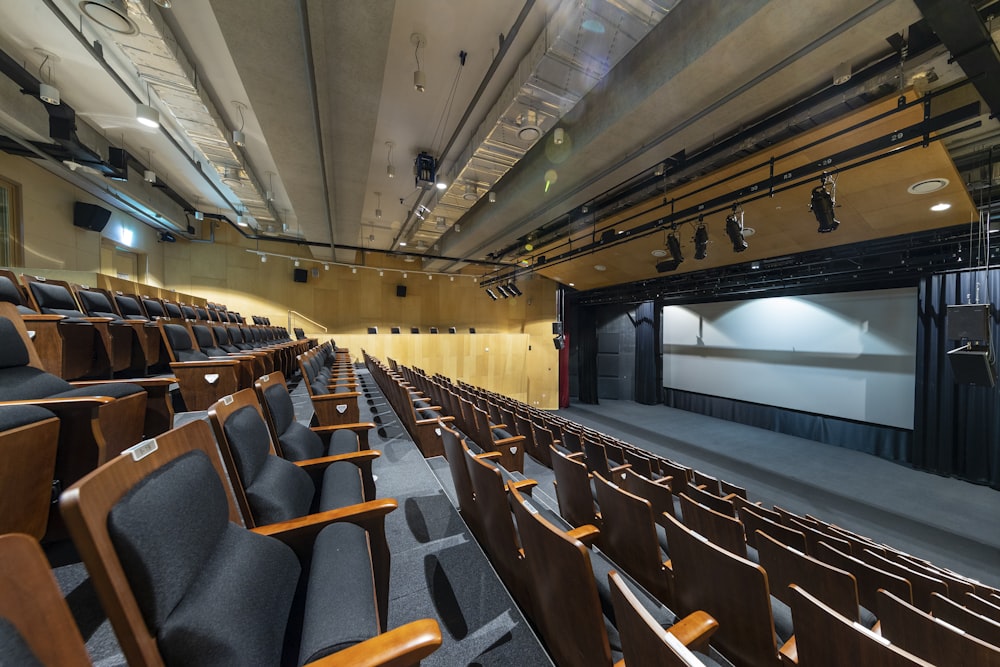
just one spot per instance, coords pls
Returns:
(118, 159)
(969, 321)
(400, 290)
(557, 328)
(300, 275)
(559, 342)
(90, 216)
(972, 364)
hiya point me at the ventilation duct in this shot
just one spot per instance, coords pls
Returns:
(157, 60)
(580, 44)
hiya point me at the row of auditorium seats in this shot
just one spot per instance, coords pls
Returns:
(782, 587)
(91, 360)
(255, 540)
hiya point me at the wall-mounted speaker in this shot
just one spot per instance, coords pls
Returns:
(971, 365)
(118, 159)
(969, 322)
(300, 275)
(90, 216)
(373, 330)
(401, 290)
(559, 342)
(557, 328)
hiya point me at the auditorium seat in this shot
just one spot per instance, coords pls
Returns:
(834, 587)
(202, 380)
(989, 607)
(632, 538)
(721, 529)
(269, 488)
(183, 591)
(923, 585)
(734, 591)
(98, 419)
(36, 626)
(657, 492)
(29, 436)
(644, 641)
(567, 606)
(296, 442)
(969, 618)
(869, 578)
(919, 633)
(753, 521)
(824, 638)
(574, 492)
(128, 340)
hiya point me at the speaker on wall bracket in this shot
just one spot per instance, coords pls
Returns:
(300, 275)
(969, 321)
(973, 364)
(90, 216)
(400, 290)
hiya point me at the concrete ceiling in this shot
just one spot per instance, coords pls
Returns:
(320, 88)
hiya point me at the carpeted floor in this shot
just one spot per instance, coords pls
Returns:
(952, 523)
(438, 569)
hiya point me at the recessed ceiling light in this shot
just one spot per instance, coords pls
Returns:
(748, 232)
(941, 206)
(600, 267)
(659, 252)
(112, 14)
(928, 186)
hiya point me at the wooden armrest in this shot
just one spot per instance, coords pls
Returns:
(142, 382)
(405, 645)
(427, 407)
(525, 485)
(40, 317)
(789, 652)
(624, 466)
(489, 456)
(359, 426)
(665, 481)
(211, 363)
(435, 420)
(507, 441)
(694, 630)
(351, 457)
(575, 455)
(587, 534)
(335, 397)
(496, 426)
(55, 404)
(96, 320)
(300, 533)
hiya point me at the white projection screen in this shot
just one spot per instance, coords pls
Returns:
(849, 355)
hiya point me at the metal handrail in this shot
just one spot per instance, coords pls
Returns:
(295, 312)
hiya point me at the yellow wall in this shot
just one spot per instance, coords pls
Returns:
(344, 302)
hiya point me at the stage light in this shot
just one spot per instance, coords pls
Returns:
(734, 228)
(514, 289)
(701, 242)
(674, 246)
(491, 294)
(822, 202)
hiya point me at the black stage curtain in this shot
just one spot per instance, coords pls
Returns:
(956, 426)
(587, 354)
(647, 384)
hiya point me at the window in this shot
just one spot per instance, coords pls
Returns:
(10, 223)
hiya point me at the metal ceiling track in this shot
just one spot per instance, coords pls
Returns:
(917, 135)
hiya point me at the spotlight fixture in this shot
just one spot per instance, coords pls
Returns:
(491, 293)
(701, 242)
(676, 257)
(734, 228)
(470, 192)
(263, 259)
(326, 267)
(242, 220)
(514, 289)
(149, 176)
(822, 202)
(167, 237)
(298, 263)
(198, 215)
(46, 91)
(145, 114)
(390, 170)
(240, 139)
(419, 78)
(558, 136)
(504, 292)
(493, 197)
(378, 205)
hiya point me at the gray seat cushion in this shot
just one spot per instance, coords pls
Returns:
(341, 486)
(191, 570)
(276, 489)
(340, 606)
(15, 416)
(13, 649)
